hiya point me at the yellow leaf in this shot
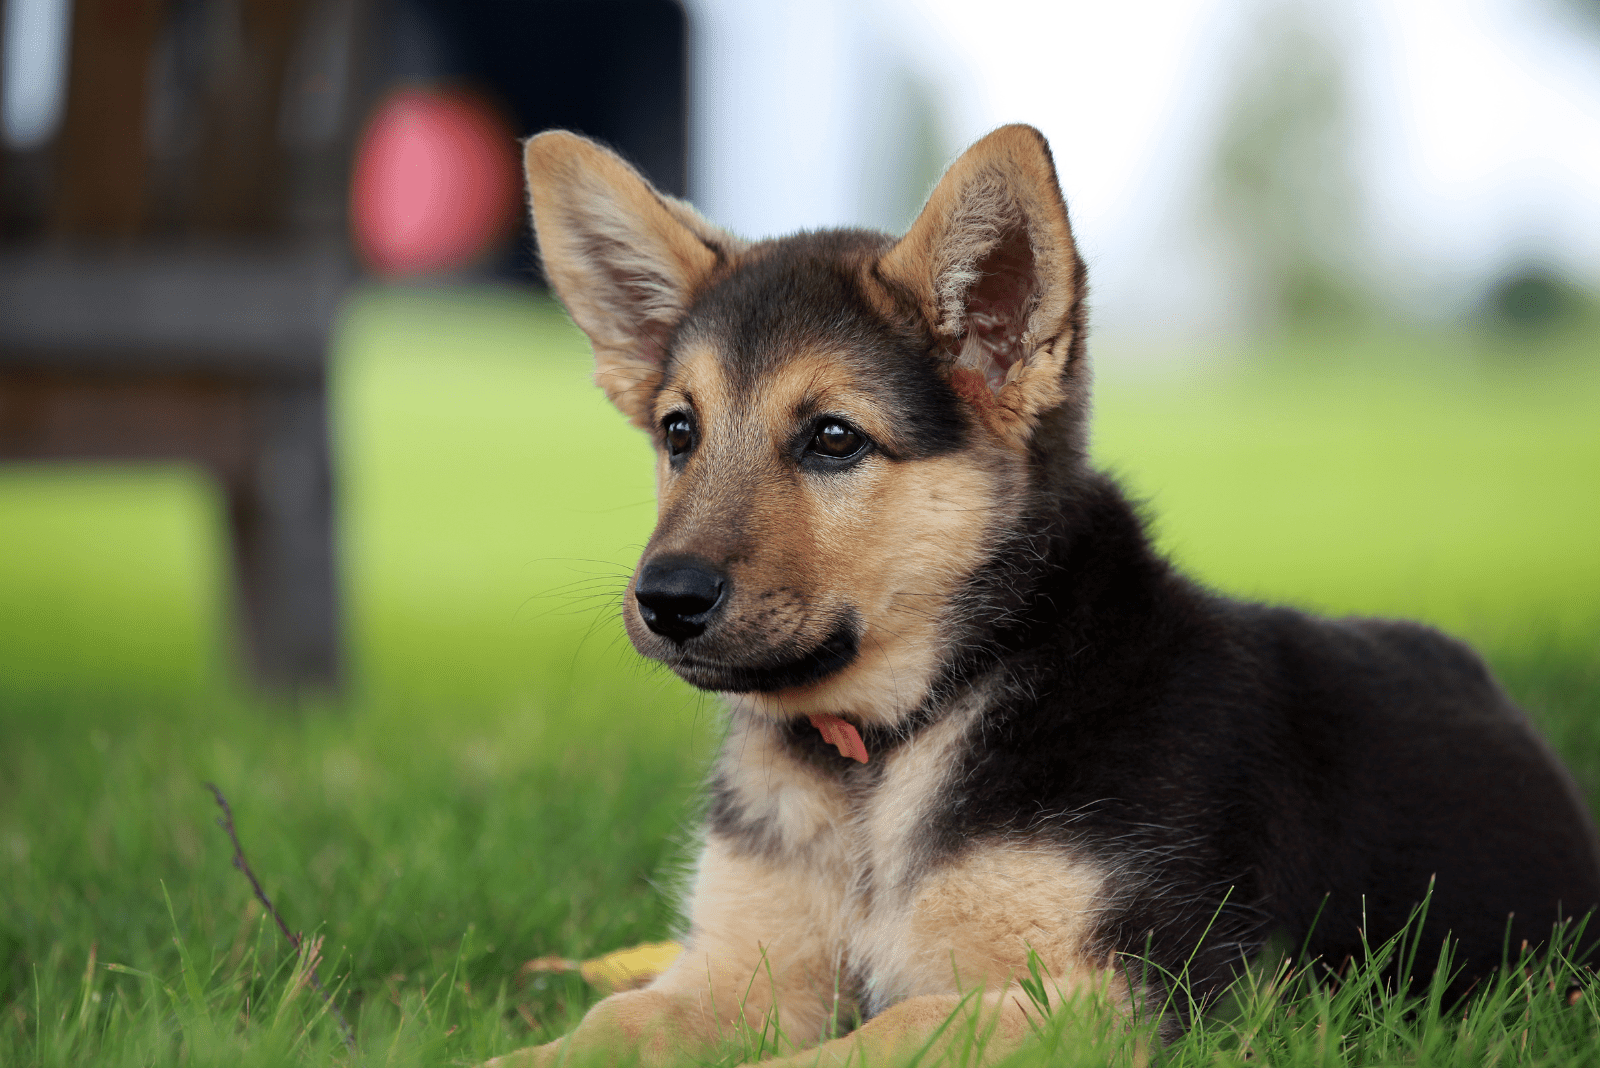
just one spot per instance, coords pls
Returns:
(626, 969)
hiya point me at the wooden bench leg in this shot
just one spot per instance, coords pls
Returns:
(281, 512)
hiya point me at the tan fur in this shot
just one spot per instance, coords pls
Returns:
(971, 923)
(975, 923)
(764, 942)
(913, 775)
(930, 529)
(773, 932)
(893, 542)
(626, 259)
(897, 544)
(763, 952)
(935, 1023)
(806, 810)
(966, 925)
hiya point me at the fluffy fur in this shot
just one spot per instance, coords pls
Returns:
(875, 503)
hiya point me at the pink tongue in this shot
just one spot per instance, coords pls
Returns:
(843, 737)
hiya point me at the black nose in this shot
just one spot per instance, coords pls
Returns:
(678, 595)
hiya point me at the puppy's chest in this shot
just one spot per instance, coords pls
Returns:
(914, 916)
(890, 867)
(864, 837)
(866, 841)
(867, 829)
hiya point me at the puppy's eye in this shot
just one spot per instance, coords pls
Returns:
(837, 439)
(678, 432)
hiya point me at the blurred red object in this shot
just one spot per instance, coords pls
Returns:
(435, 182)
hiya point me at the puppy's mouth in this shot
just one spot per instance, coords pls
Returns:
(729, 675)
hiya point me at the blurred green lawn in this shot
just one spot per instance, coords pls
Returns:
(506, 779)
(492, 502)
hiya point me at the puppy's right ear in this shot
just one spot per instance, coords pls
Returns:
(992, 263)
(624, 259)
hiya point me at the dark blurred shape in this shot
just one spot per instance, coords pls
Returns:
(1588, 10)
(170, 264)
(1534, 298)
(174, 250)
(615, 70)
(436, 182)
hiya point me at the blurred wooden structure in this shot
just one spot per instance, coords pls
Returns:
(172, 258)
(170, 265)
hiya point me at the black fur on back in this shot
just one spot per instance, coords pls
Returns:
(1257, 773)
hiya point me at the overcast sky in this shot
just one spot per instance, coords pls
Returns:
(1476, 127)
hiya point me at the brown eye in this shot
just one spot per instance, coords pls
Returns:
(837, 439)
(679, 433)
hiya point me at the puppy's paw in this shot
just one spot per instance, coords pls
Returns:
(640, 1027)
(532, 1057)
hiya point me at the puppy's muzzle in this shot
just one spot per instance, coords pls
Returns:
(679, 596)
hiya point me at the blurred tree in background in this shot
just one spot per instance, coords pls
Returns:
(1282, 185)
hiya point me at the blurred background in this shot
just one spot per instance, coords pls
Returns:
(284, 410)
(1231, 164)
(304, 488)
(243, 239)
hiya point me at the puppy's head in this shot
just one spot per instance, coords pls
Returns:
(848, 427)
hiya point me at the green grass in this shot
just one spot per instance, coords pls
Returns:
(506, 780)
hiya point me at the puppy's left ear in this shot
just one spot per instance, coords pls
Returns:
(992, 263)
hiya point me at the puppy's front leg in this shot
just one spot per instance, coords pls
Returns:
(980, 1026)
(996, 1024)
(650, 1022)
(763, 952)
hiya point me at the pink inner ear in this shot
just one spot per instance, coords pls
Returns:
(644, 303)
(998, 305)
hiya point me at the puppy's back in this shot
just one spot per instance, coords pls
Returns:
(1417, 769)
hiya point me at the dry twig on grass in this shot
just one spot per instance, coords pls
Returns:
(225, 821)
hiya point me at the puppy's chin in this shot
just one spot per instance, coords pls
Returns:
(706, 664)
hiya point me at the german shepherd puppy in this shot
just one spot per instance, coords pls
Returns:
(973, 716)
